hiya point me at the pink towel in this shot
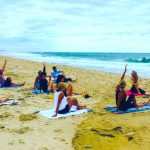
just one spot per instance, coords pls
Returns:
(128, 92)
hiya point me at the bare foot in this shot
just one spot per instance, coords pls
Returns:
(82, 107)
(23, 83)
(4, 99)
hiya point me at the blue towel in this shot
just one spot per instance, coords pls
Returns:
(10, 87)
(130, 110)
(37, 92)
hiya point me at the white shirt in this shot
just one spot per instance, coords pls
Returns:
(63, 102)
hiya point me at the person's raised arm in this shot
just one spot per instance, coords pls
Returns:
(4, 66)
(123, 75)
(44, 68)
(61, 96)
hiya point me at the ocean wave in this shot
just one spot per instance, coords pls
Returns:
(139, 60)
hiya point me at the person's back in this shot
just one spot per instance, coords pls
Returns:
(63, 102)
(2, 80)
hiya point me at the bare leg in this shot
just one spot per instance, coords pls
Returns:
(69, 89)
(135, 103)
(4, 99)
(70, 92)
(15, 84)
(79, 93)
(51, 86)
(72, 101)
(145, 103)
(147, 94)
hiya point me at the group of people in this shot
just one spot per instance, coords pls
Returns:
(122, 102)
(56, 83)
(42, 84)
(62, 100)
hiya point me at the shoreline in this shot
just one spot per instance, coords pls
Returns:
(54, 134)
(113, 67)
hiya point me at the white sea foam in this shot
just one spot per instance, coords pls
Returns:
(107, 66)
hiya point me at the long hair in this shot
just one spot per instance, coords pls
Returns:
(134, 76)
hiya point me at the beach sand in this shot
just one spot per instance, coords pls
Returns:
(121, 132)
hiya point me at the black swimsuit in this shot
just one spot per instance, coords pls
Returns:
(124, 105)
(65, 110)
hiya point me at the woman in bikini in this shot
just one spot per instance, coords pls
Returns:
(122, 102)
(135, 85)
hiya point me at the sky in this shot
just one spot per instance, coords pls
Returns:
(75, 25)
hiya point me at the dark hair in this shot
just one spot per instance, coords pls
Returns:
(54, 67)
(59, 78)
(43, 74)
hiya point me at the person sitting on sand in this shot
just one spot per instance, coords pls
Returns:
(43, 83)
(55, 73)
(122, 102)
(40, 82)
(7, 81)
(63, 105)
(135, 85)
(69, 88)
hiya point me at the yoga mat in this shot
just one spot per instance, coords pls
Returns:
(10, 87)
(130, 110)
(128, 92)
(36, 92)
(49, 113)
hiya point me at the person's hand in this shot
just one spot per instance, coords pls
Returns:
(54, 115)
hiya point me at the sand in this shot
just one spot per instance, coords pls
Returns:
(129, 131)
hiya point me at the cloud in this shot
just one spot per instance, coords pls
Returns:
(81, 25)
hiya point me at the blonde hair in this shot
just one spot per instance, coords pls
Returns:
(61, 85)
(135, 77)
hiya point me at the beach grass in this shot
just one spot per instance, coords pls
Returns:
(19, 129)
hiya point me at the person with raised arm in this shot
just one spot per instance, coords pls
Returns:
(122, 102)
(7, 81)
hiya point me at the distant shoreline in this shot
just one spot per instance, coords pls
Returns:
(105, 62)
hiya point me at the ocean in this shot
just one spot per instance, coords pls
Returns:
(108, 62)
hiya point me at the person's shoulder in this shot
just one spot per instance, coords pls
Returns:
(37, 77)
(61, 94)
(121, 93)
(59, 71)
(52, 72)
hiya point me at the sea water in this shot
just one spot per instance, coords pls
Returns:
(108, 62)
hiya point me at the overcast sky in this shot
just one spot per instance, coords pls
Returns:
(75, 25)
